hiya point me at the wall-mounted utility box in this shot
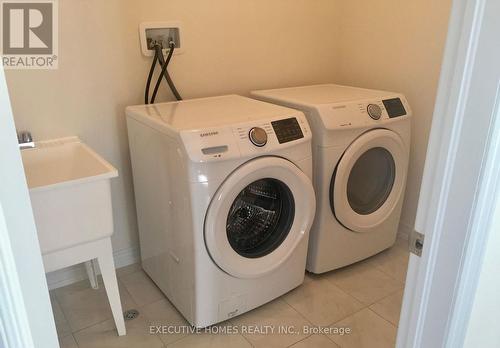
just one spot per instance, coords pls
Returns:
(160, 32)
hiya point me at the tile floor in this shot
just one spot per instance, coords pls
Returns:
(365, 297)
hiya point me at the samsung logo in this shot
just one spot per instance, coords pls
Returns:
(208, 134)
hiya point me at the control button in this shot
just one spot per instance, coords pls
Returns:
(374, 111)
(258, 136)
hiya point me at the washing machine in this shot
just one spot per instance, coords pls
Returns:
(225, 201)
(361, 145)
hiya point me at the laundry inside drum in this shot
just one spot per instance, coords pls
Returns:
(260, 218)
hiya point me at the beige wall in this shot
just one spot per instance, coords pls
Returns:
(396, 45)
(230, 47)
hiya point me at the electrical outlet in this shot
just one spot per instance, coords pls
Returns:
(160, 32)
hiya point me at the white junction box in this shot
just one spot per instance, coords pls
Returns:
(163, 32)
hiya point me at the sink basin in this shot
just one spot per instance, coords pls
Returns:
(62, 162)
(69, 187)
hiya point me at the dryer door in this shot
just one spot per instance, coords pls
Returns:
(369, 180)
(258, 217)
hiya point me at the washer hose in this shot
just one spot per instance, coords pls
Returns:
(158, 58)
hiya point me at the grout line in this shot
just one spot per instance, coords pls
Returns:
(296, 311)
(89, 326)
(99, 322)
(341, 290)
(246, 339)
(348, 293)
(350, 315)
(369, 307)
(378, 267)
(76, 342)
(74, 339)
(305, 338)
(331, 340)
(127, 274)
(378, 315)
(63, 314)
(389, 295)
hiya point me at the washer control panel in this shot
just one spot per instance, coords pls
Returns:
(287, 130)
(258, 136)
(246, 139)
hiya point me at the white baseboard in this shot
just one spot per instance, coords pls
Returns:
(77, 273)
(404, 230)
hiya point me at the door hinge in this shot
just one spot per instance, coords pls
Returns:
(416, 243)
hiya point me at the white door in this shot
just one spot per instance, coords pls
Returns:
(369, 180)
(258, 216)
(459, 189)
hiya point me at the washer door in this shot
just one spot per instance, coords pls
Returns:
(369, 180)
(258, 217)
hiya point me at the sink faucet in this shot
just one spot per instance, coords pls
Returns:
(25, 140)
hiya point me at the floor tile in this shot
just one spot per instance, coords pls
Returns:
(103, 335)
(141, 288)
(274, 315)
(62, 325)
(76, 287)
(83, 306)
(211, 341)
(124, 271)
(315, 341)
(321, 302)
(67, 342)
(389, 308)
(163, 313)
(368, 330)
(393, 261)
(364, 282)
(333, 299)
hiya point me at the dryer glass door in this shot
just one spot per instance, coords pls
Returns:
(369, 180)
(259, 216)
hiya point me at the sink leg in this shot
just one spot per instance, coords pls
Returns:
(91, 272)
(107, 266)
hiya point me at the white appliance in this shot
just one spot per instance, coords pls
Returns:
(224, 201)
(361, 145)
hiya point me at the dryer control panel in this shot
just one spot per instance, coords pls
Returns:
(246, 139)
(363, 113)
(394, 107)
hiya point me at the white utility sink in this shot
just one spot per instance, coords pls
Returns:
(70, 193)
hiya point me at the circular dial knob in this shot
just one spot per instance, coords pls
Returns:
(374, 111)
(258, 136)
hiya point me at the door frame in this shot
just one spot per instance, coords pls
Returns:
(460, 184)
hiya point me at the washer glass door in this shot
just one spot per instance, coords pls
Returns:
(259, 216)
(369, 180)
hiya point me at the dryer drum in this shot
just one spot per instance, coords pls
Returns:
(260, 218)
